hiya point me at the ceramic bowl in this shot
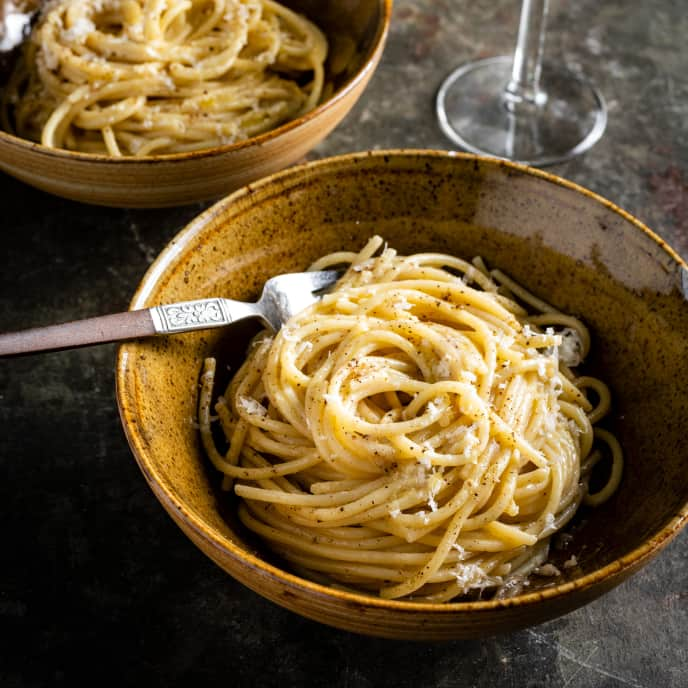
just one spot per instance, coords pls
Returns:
(564, 243)
(356, 33)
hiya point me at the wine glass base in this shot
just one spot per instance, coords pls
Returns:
(473, 114)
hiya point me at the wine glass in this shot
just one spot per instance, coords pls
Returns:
(518, 108)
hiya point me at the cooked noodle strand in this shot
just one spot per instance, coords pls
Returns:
(413, 435)
(142, 77)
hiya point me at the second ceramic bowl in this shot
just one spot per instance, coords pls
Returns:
(356, 33)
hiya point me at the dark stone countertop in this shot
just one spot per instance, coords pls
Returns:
(98, 587)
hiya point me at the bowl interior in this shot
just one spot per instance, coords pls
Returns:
(566, 245)
(352, 29)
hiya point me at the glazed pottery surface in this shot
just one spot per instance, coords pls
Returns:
(565, 244)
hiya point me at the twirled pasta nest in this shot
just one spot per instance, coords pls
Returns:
(417, 433)
(141, 77)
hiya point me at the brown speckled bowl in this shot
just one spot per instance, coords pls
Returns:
(564, 243)
(356, 32)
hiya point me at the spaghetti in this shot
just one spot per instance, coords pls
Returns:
(142, 77)
(417, 433)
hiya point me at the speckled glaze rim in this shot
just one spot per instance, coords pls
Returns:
(370, 61)
(618, 569)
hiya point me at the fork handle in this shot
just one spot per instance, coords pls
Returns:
(105, 328)
(171, 318)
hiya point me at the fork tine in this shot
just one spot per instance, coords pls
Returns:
(323, 278)
(311, 281)
(286, 295)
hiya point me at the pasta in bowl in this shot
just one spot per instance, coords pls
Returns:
(416, 433)
(129, 77)
(163, 103)
(559, 243)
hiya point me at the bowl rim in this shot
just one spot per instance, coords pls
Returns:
(369, 62)
(613, 571)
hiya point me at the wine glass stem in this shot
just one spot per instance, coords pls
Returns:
(523, 90)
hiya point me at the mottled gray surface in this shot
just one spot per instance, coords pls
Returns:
(98, 587)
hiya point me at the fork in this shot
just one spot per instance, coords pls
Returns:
(282, 297)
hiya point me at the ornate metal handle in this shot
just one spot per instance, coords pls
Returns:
(190, 315)
(200, 314)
